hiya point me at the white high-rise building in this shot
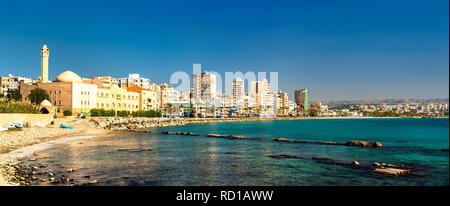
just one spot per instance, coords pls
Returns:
(134, 80)
(238, 92)
(264, 97)
(204, 87)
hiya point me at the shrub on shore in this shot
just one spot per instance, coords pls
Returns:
(146, 113)
(102, 113)
(123, 113)
(17, 107)
(67, 113)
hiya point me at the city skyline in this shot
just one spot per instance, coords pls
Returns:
(405, 53)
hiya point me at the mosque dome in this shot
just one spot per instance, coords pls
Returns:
(68, 76)
(46, 103)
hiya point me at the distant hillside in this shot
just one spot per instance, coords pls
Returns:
(388, 101)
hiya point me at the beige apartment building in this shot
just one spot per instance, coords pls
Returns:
(238, 92)
(117, 99)
(147, 98)
(204, 87)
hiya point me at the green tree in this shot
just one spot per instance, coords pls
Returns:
(38, 95)
(15, 94)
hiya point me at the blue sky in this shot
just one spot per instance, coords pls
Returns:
(337, 49)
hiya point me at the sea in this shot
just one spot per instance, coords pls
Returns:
(157, 159)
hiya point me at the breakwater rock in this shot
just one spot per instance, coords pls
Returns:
(132, 123)
(358, 143)
(355, 143)
(376, 168)
(226, 136)
(231, 136)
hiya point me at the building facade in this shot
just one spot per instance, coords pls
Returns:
(238, 92)
(10, 82)
(302, 98)
(282, 103)
(134, 80)
(204, 87)
(147, 98)
(68, 92)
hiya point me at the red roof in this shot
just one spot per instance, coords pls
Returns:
(137, 88)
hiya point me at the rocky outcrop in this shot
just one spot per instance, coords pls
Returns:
(226, 136)
(349, 143)
(355, 164)
(284, 156)
(358, 143)
(392, 171)
(281, 139)
(133, 123)
(231, 136)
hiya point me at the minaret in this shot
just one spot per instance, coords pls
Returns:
(44, 64)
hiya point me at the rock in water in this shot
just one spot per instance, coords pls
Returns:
(375, 144)
(236, 136)
(284, 156)
(392, 171)
(376, 164)
(355, 164)
(357, 143)
(281, 139)
(93, 182)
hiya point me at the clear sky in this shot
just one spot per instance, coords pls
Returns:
(338, 49)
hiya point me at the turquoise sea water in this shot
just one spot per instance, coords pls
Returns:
(200, 160)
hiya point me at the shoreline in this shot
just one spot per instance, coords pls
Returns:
(87, 128)
(13, 156)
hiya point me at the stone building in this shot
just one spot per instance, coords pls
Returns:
(68, 92)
